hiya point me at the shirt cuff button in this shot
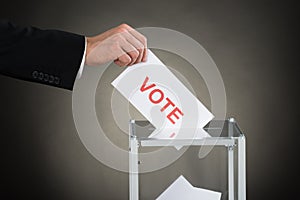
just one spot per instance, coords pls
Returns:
(56, 80)
(35, 74)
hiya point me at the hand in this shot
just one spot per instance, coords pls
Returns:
(122, 44)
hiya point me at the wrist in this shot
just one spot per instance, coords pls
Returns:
(88, 46)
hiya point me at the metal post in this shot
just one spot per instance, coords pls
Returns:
(231, 121)
(133, 164)
(242, 168)
(231, 173)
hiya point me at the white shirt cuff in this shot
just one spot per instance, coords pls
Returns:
(82, 61)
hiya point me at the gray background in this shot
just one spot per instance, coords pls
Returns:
(254, 46)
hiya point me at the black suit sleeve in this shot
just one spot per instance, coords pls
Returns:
(45, 56)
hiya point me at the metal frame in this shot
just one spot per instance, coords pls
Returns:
(229, 142)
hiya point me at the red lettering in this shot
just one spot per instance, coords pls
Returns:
(167, 105)
(156, 96)
(172, 135)
(143, 88)
(173, 113)
(160, 98)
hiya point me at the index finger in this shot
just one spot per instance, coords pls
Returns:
(141, 38)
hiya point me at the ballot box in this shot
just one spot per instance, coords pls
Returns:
(216, 163)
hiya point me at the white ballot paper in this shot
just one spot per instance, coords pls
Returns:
(181, 189)
(163, 100)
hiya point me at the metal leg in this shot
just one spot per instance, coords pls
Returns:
(133, 169)
(231, 122)
(231, 173)
(242, 168)
(133, 163)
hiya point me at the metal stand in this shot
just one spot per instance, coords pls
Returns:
(230, 142)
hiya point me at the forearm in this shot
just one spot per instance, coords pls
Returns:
(45, 56)
(56, 58)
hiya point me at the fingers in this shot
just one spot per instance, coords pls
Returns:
(137, 45)
(127, 48)
(123, 60)
(138, 36)
(143, 40)
(122, 44)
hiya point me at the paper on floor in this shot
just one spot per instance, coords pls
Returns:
(181, 189)
(153, 89)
